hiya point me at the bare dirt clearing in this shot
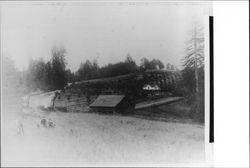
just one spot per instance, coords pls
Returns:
(91, 139)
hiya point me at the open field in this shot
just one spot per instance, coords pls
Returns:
(91, 139)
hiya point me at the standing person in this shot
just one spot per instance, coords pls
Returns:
(54, 98)
(20, 129)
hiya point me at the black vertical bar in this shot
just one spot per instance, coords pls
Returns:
(211, 46)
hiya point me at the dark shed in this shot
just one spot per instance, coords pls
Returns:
(112, 103)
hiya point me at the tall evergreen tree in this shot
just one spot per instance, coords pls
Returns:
(194, 66)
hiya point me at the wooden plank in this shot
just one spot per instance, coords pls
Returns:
(157, 102)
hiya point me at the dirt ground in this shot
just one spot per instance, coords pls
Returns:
(88, 139)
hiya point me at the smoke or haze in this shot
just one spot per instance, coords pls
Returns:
(103, 31)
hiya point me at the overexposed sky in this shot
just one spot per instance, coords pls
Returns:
(106, 31)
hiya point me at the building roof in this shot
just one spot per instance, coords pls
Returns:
(107, 100)
(151, 87)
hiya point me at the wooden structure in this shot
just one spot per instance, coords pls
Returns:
(73, 101)
(139, 86)
(152, 90)
(132, 83)
(112, 104)
(158, 102)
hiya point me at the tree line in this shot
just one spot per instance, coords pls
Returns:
(53, 74)
(50, 75)
(91, 70)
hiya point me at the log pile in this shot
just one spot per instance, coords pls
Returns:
(73, 102)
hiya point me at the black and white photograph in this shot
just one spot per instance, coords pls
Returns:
(104, 83)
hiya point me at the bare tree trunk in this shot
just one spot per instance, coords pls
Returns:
(196, 72)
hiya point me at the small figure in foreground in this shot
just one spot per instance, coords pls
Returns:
(20, 129)
(47, 123)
